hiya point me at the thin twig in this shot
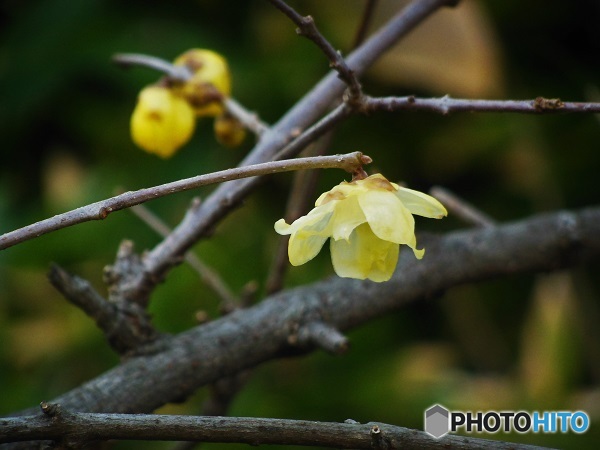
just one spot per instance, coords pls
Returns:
(308, 29)
(175, 73)
(209, 276)
(301, 195)
(249, 120)
(467, 212)
(101, 209)
(365, 21)
(79, 428)
(446, 105)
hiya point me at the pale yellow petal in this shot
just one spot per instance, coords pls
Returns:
(388, 217)
(346, 217)
(304, 246)
(421, 204)
(364, 255)
(316, 221)
(413, 245)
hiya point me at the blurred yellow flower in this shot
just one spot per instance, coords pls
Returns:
(210, 81)
(367, 220)
(162, 121)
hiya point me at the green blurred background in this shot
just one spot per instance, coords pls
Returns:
(524, 343)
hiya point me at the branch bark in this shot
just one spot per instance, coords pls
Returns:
(246, 338)
(100, 210)
(80, 428)
(446, 105)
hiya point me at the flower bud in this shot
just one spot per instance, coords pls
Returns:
(162, 121)
(210, 81)
(229, 131)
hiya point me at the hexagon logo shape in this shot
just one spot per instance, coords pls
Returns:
(437, 421)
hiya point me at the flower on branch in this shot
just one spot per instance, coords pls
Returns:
(367, 220)
(162, 121)
(210, 81)
(165, 114)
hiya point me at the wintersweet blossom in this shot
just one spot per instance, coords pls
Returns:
(210, 82)
(162, 121)
(366, 220)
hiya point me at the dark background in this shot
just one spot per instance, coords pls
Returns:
(524, 343)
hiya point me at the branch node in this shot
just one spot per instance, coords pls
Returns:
(542, 104)
(378, 440)
(51, 409)
(321, 335)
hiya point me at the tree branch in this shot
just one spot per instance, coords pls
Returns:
(308, 29)
(446, 105)
(127, 327)
(175, 73)
(456, 205)
(208, 275)
(100, 210)
(248, 337)
(80, 428)
(167, 253)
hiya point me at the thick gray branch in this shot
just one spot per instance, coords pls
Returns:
(246, 338)
(79, 428)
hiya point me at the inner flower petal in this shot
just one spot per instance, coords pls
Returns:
(364, 255)
(388, 217)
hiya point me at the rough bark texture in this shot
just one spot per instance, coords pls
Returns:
(246, 338)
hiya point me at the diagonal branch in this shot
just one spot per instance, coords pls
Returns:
(246, 338)
(101, 209)
(308, 29)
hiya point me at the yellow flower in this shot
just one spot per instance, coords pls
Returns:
(162, 121)
(210, 81)
(367, 220)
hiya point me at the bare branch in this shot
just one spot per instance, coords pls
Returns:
(461, 208)
(175, 73)
(365, 21)
(248, 119)
(308, 29)
(100, 210)
(446, 105)
(219, 348)
(77, 427)
(127, 327)
(210, 277)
